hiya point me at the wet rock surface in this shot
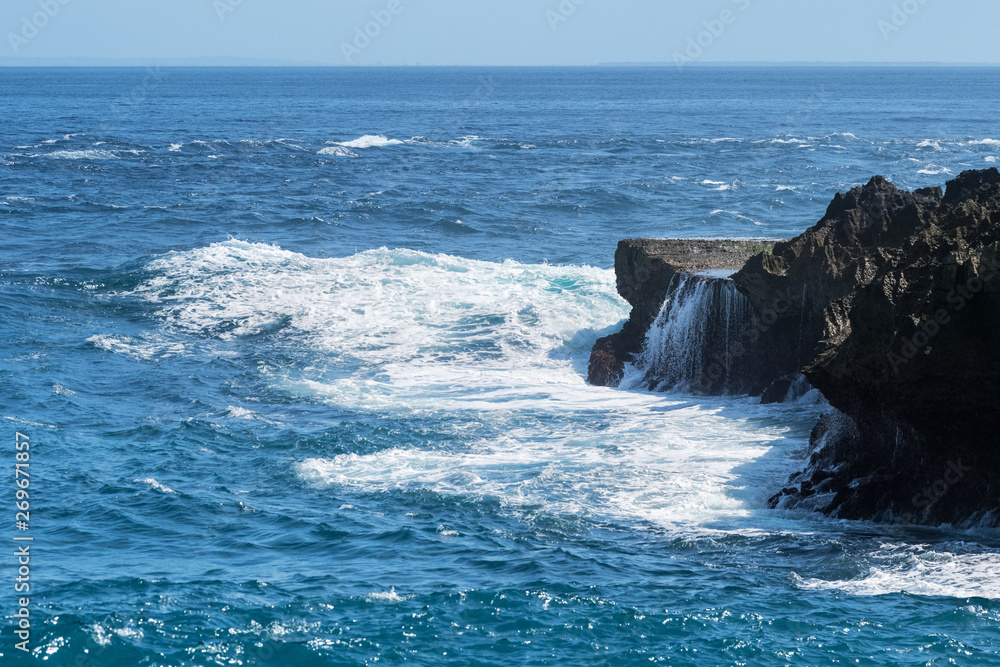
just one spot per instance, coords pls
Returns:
(890, 306)
(645, 269)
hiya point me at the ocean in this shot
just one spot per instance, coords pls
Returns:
(300, 355)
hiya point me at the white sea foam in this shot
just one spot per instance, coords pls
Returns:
(62, 391)
(495, 353)
(383, 305)
(25, 421)
(721, 186)
(338, 151)
(174, 148)
(386, 597)
(154, 485)
(498, 349)
(100, 634)
(130, 633)
(140, 349)
(53, 647)
(735, 214)
(991, 158)
(470, 141)
(237, 412)
(92, 154)
(922, 570)
(984, 142)
(290, 143)
(929, 143)
(651, 466)
(106, 342)
(369, 141)
(934, 170)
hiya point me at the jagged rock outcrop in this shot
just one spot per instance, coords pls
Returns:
(644, 269)
(904, 290)
(890, 306)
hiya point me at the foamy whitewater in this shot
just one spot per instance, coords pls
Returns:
(295, 409)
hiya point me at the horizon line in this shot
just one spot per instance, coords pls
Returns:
(225, 61)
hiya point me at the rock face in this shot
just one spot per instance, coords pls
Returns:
(645, 269)
(904, 292)
(890, 306)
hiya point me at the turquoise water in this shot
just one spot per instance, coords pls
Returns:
(301, 355)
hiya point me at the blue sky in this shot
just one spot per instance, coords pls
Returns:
(504, 32)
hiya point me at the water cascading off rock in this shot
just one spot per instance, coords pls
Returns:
(700, 342)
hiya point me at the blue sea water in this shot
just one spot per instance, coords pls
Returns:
(301, 355)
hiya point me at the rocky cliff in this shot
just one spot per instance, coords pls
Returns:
(905, 289)
(890, 306)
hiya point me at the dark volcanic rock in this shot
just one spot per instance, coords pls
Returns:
(890, 306)
(898, 326)
(804, 288)
(644, 270)
(777, 390)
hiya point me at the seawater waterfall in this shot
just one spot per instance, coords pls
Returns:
(700, 341)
